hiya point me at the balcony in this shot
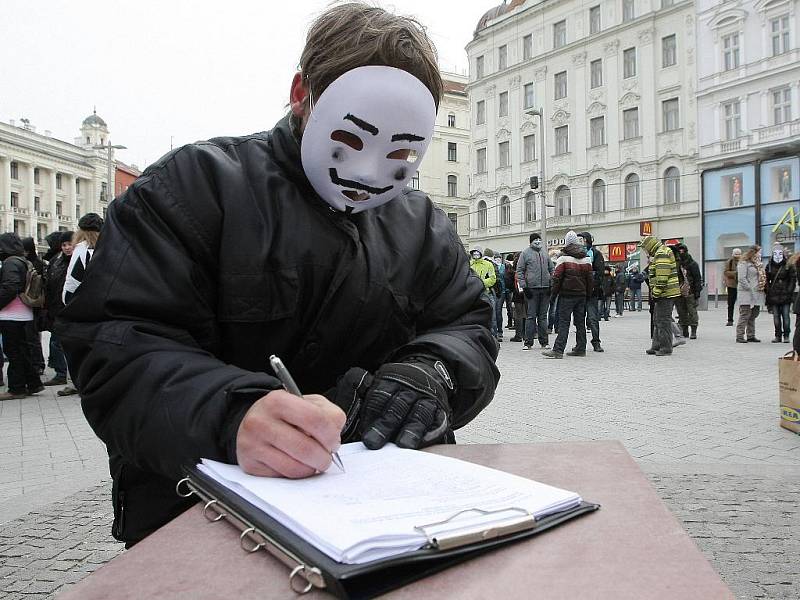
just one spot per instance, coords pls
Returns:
(782, 133)
(19, 211)
(740, 144)
(43, 214)
(64, 218)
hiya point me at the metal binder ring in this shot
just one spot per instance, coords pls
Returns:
(209, 504)
(299, 570)
(189, 491)
(247, 533)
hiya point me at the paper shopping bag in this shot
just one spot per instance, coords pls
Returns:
(789, 391)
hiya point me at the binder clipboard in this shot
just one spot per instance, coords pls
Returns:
(309, 568)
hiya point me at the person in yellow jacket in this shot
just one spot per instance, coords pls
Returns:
(486, 271)
(664, 288)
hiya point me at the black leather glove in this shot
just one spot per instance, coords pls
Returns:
(405, 403)
(528, 292)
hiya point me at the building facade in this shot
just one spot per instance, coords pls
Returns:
(748, 99)
(47, 184)
(444, 172)
(615, 80)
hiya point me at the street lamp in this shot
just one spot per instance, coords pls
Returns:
(539, 112)
(110, 148)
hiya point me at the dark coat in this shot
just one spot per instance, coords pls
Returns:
(780, 283)
(598, 264)
(573, 273)
(222, 254)
(55, 275)
(14, 271)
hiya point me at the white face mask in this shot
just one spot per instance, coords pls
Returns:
(777, 256)
(537, 244)
(358, 135)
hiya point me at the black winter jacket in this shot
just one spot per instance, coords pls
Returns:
(55, 275)
(220, 255)
(780, 283)
(14, 271)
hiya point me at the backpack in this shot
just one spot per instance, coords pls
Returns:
(33, 293)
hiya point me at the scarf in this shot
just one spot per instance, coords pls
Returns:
(762, 274)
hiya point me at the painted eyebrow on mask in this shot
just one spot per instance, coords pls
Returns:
(368, 127)
(410, 137)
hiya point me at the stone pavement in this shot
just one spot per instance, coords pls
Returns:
(702, 424)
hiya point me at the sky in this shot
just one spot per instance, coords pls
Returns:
(163, 72)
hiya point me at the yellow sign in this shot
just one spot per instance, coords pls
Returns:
(789, 219)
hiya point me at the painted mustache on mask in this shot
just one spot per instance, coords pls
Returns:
(355, 184)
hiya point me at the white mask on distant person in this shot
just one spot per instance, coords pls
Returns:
(537, 244)
(361, 130)
(777, 256)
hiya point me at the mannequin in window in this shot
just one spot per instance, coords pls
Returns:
(785, 185)
(736, 192)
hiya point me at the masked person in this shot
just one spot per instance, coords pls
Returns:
(664, 288)
(304, 242)
(779, 292)
(593, 304)
(535, 270)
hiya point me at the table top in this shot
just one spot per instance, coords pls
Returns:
(631, 548)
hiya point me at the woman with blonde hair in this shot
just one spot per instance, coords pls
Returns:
(750, 290)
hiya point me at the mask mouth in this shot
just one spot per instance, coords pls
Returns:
(356, 196)
(355, 185)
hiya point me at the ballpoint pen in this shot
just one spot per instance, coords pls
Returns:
(290, 386)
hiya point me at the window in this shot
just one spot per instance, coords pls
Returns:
(14, 170)
(19, 227)
(452, 152)
(77, 186)
(105, 213)
(480, 161)
(527, 47)
(530, 207)
(560, 34)
(781, 105)
(480, 112)
(672, 186)
(503, 105)
(563, 202)
(630, 123)
(528, 148)
(632, 191)
(41, 232)
(560, 84)
(503, 154)
(502, 57)
(597, 129)
(527, 100)
(415, 181)
(103, 191)
(451, 120)
(452, 186)
(671, 117)
(37, 204)
(58, 181)
(453, 220)
(14, 200)
(59, 208)
(505, 211)
(779, 29)
(629, 63)
(482, 215)
(594, 19)
(87, 139)
(77, 211)
(669, 51)
(730, 51)
(36, 175)
(733, 123)
(598, 196)
(562, 139)
(628, 11)
(479, 67)
(667, 3)
(596, 70)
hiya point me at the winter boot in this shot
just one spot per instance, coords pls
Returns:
(685, 330)
(693, 336)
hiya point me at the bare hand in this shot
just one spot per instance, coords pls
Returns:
(284, 436)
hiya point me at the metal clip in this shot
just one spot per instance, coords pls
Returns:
(248, 533)
(209, 504)
(189, 491)
(300, 570)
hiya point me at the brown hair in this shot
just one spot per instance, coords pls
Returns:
(355, 34)
(751, 253)
(90, 237)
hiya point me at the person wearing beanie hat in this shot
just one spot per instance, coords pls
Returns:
(90, 222)
(534, 272)
(571, 238)
(55, 277)
(732, 282)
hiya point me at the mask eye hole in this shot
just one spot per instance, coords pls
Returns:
(348, 139)
(407, 154)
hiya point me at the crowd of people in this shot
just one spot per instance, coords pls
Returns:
(545, 292)
(33, 291)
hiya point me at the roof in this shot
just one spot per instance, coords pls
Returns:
(93, 120)
(495, 12)
(131, 170)
(454, 87)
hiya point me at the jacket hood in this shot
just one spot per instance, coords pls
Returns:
(650, 245)
(10, 245)
(588, 237)
(575, 251)
(54, 245)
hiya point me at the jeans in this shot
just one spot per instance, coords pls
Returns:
(552, 314)
(687, 311)
(593, 319)
(662, 325)
(537, 316)
(747, 321)
(619, 300)
(574, 307)
(35, 347)
(509, 307)
(780, 317)
(498, 312)
(605, 307)
(732, 293)
(519, 319)
(636, 299)
(491, 298)
(57, 358)
(22, 375)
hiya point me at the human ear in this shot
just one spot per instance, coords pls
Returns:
(298, 95)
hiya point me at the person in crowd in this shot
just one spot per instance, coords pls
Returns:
(793, 260)
(16, 320)
(552, 312)
(55, 275)
(508, 276)
(620, 285)
(664, 288)
(731, 281)
(485, 269)
(500, 292)
(35, 330)
(781, 281)
(573, 283)
(520, 304)
(593, 307)
(534, 270)
(752, 280)
(635, 282)
(607, 283)
(691, 284)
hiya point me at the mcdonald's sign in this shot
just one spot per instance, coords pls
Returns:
(645, 228)
(616, 253)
